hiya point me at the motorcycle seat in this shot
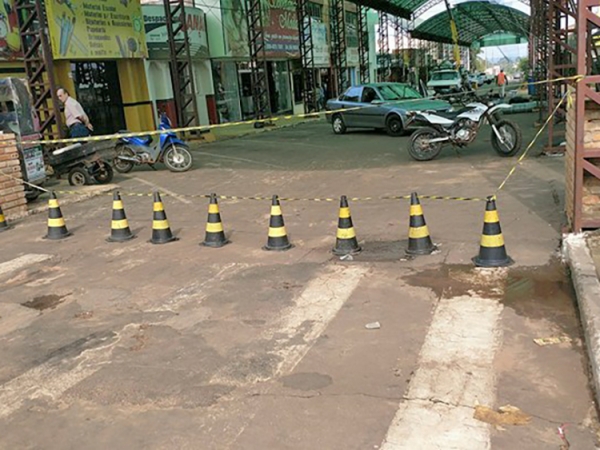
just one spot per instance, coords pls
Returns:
(451, 115)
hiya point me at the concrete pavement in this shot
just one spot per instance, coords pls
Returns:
(180, 346)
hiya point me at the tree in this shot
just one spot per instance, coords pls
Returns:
(523, 65)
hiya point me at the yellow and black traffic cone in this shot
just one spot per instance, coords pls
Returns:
(215, 236)
(56, 223)
(419, 241)
(119, 227)
(345, 242)
(161, 232)
(278, 239)
(3, 223)
(492, 252)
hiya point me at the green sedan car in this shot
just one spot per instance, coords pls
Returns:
(382, 106)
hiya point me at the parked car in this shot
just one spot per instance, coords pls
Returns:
(382, 106)
(445, 81)
(490, 78)
(481, 79)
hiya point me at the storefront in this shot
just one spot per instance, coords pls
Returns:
(228, 40)
(98, 48)
(352, 58)
(158, 67)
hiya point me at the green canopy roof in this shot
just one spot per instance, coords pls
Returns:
(474, 21)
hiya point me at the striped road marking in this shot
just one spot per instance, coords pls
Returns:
(21, 262)
(454, 374)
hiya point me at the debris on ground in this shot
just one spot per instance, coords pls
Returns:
(346, 258)
(505, 415)
(373, 326)
(542, 342)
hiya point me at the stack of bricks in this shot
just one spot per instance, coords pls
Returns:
(12, 194)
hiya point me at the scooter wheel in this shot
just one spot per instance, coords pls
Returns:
(79, 176)
(105, 174)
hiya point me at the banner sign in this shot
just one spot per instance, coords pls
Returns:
(320, 45)
(96, 29)
(352, 39)
(10, 42)
(155, 26)
(280, 28)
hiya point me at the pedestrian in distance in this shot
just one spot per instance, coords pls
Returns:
(501, 82)
(76, 119)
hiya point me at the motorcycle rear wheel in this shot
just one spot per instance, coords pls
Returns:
(510, 131)
(421, 150)
(123, 166)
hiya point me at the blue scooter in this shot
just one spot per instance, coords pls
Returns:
(132, 151)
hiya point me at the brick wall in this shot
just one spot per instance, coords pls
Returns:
(12, 194)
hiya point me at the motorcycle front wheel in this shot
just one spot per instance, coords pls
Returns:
(120, 165)
(178, 158)
(420, 148)
(511, 135)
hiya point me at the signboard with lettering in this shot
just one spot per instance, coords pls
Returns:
(96, 29)
(319, 41)
(351, 39)
(10, 42)
(156, 32)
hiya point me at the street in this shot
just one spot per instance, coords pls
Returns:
(179, 346)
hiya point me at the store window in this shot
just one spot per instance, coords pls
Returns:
(279, 87)
(98, 90)
(227, 91)
(315, 10)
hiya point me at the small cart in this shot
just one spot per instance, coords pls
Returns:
(83, 163)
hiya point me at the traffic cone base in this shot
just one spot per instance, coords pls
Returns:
(345, 241)
(419, 240)
(492, 252)
(215, 235)
(4, 225)
(57, 228)
(119, 227)
(161, 231)
(277, 238)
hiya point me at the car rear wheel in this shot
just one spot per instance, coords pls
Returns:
(338, 125)
(394, 127)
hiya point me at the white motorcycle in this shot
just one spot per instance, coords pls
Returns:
(460, 128)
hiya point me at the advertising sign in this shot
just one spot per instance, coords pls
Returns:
(352, 39)
(320, 45)
(96, 29)
(155, 26)
(10, 42)
(33, 160)
(280, 28)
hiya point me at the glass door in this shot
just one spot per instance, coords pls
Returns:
(99, 92)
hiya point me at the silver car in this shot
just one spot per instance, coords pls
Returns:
(383, 106)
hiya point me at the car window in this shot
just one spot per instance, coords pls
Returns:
(368, 95)
(352, 95)
(388, 93)
(405, 92)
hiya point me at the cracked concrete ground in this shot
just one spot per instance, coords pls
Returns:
(180, 346)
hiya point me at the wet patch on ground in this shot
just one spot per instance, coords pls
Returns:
(307, 381)
(45, 301)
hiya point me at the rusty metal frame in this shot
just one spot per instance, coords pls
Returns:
(363, 44)
(585, 91)
(383, 36)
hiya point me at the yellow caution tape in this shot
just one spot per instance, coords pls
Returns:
(315, 115)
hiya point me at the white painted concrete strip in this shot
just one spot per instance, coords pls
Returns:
(22, 262)
(164, 190)
(314, 309)
(53, 378)
(455, 373)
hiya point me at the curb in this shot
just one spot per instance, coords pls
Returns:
(587, 290)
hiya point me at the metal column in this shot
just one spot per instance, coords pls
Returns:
(363, 44)
(384, 47)
(182, 73)
(258, 61)
(338, 38)
(39, 67)
(309, 88)
(397, 60)
(586, 20)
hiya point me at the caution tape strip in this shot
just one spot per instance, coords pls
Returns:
(286, 199)
(200, 128)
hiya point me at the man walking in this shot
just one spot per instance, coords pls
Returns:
(501, 81)
(75, 117)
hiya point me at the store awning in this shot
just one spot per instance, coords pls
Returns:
(474, 21)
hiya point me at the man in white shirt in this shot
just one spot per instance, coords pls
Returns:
(75, 117)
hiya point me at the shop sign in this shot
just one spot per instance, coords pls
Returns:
(352, 39)
(320, 45)
(96, 29)
(10, 42)
(156, 32)
(280, 28)
(33, 159)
